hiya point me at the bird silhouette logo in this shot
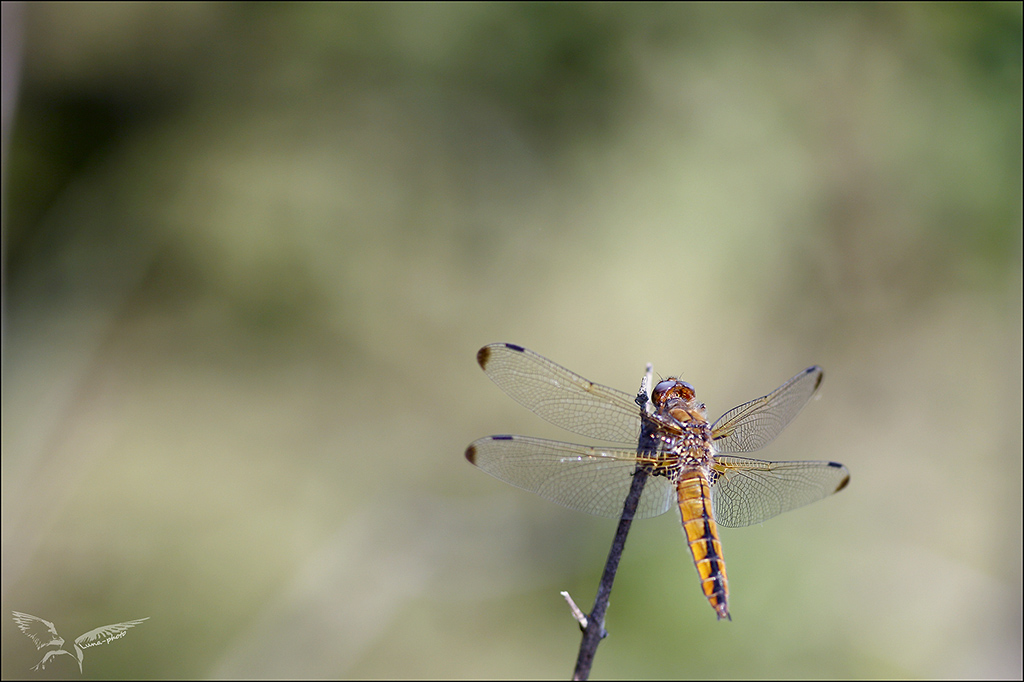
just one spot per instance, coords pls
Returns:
(44, 634)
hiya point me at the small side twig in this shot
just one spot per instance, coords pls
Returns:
(576, 612)
(593, 625)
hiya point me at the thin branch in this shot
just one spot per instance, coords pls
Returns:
(593, 625)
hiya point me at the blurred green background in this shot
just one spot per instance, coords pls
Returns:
(250, 252)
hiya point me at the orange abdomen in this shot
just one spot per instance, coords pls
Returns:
(702, 537)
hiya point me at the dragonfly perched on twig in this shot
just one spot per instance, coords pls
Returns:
(694, 465)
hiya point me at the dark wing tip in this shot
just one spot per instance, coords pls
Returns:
(846, 479)
(471, 454)
(483, 356)
(821, 376)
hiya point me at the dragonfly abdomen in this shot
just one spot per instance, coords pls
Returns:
(702, 537)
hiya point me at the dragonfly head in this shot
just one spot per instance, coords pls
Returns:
(677, 398)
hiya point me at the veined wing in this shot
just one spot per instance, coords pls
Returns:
(592, 480)
(753, 425)
(747, 491)
(562, 397)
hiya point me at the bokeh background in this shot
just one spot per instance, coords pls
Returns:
(250, 251)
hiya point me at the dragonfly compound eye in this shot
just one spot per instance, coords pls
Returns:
(670, 389)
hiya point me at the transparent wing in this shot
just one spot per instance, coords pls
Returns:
(747, 491)
(562, 397)
(753, 425)
(592, 480)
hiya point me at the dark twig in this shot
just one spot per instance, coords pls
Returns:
(595, 632)
(593, 625)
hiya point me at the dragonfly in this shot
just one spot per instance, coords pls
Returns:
(693, 465)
